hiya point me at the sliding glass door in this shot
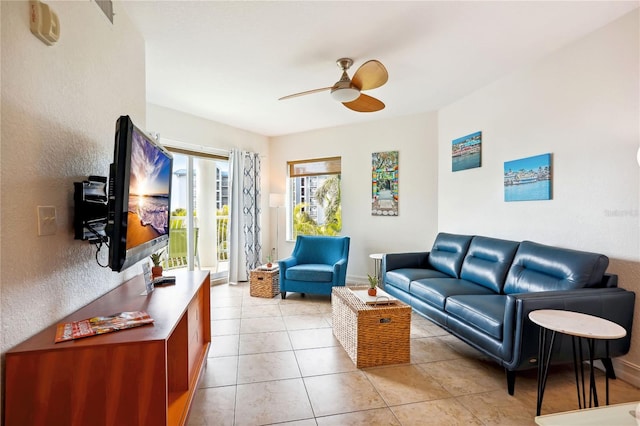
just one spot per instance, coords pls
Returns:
(199, 213)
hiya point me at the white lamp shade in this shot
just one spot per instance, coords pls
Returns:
(276, 200)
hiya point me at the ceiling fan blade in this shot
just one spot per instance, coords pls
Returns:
(308, 92)
(370, 75)
(365, 103)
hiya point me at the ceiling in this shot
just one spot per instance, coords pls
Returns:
(230, 61)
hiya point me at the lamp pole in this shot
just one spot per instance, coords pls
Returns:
(277, 201)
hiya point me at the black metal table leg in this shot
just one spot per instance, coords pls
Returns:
(592, 378)
(606, 373)
(544, 359)
(575, 371)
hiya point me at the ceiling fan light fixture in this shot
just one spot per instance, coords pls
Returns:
(345, 94)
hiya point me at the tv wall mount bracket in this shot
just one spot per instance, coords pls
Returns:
(90, 220)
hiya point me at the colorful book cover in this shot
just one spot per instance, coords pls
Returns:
(101, 325)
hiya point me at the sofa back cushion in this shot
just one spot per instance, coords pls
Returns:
(487, 262)
(537, 267)
(448, 253)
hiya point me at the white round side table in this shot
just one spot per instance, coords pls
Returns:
(578, 326)
(377, 264)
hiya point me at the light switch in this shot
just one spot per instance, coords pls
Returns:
(47, 220)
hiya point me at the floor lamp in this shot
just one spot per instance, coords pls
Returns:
(277, 201)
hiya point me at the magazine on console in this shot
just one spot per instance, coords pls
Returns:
(101, 325)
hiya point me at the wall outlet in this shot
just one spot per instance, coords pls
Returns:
(47, 224)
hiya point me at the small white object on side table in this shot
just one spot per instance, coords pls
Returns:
(577, 325)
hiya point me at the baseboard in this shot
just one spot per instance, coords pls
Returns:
(356, 280)
(627, 371)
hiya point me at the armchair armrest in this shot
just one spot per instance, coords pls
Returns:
(340, 272)
(613, 304)
(287, 263)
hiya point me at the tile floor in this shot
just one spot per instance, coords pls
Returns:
(275, 361)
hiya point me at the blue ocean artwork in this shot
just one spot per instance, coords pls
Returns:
(465, 152)
(528, 178)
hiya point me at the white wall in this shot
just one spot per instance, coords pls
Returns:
(59, 108)
(415, 137)
(582, 105)
(196, 132)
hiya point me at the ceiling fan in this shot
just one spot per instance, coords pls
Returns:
(370, 75)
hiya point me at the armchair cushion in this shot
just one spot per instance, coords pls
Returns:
(310, 272)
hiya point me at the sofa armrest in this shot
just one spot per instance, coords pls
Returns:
(521, 335)
(391, 261)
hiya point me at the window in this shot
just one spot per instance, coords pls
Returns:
(314, 197)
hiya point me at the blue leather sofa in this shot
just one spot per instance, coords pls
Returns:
(316, 265)
(482, 289)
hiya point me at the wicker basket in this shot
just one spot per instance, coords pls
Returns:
(371, 335)
(264, 283)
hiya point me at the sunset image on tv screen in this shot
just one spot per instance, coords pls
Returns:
(149, 184)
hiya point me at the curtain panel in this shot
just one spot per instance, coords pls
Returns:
(244, 213)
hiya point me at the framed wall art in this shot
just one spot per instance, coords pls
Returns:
(384, 183)
(466, 152)
(528, 178)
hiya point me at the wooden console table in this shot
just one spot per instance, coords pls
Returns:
(141, 376)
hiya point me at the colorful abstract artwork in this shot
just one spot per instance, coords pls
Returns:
(466, 152)
(384, 183)
(528, 178)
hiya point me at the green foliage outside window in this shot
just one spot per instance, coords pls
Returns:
(223, 224)
(328, 196)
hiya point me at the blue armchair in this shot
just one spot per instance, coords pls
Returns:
(316, 265)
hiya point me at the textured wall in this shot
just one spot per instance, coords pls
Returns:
(59, 107)
(582, 105)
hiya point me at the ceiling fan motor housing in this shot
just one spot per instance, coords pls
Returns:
(344, 90)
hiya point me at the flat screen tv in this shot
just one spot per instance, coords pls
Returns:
(139, 196)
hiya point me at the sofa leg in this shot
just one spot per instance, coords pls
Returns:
(608, 366)
(511, 382)
(283, 294)
(301, 294)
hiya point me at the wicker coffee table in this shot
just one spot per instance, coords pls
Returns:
(371, 335)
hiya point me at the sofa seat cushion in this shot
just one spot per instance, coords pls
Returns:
(401, 278)
(436, 290)
(311, 272)
(486, 313)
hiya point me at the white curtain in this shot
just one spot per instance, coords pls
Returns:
(245, 248)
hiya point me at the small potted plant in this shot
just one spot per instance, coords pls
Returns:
(156, 258)
(373, 283)
(269, 264)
